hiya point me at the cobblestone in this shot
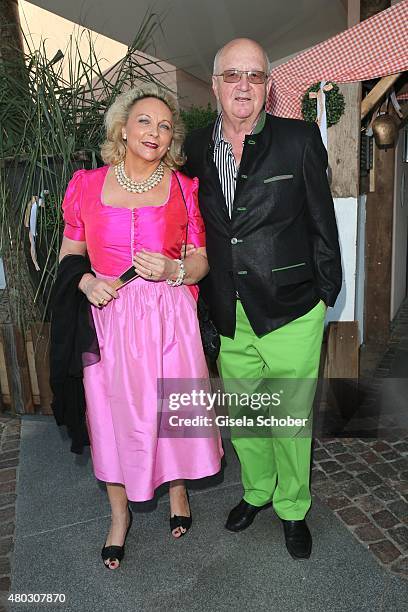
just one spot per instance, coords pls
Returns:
(400, 509)
(370, 479)
(342, 476)
(400, 536)
(370, 457)
(337, 501)
(6, 545)
(364, 482)
(373, 504)
(352, 516)
(9, 453)
(356, 467)
(370, 504)
(385, 551)
(330, 466)
(400, 566)
(368, 533)
(354, 489)
(385, 519)
(385, 493)
(384, 469)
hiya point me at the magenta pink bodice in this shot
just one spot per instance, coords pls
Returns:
(113, 234)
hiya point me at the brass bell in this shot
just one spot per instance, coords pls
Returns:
(385, 131)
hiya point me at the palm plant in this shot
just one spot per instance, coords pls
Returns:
(51, 123)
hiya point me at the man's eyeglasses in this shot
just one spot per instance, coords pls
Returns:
(256, 77)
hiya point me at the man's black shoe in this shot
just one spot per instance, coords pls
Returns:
(243, 515)
(298, 539)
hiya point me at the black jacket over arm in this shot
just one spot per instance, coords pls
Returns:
(74, 345)
(280, 249)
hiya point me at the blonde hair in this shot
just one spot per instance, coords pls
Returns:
(113, 149)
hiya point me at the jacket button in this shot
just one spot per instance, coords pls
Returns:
(234, 240)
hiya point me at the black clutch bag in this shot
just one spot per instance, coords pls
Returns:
(209, 335)
(210, 338)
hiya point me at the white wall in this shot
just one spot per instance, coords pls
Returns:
(347, 216)
(360, 265)
(40, 25)
(400, 229)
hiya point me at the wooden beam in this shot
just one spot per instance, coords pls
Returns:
(4, 380)
(342, 357)
(379, 91)
(344, 145)
(31, 367)
(353, 12)
(341, 373)
(378, 249)
(40, 333)
(17, 370)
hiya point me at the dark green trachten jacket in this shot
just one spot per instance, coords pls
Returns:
(280, 249)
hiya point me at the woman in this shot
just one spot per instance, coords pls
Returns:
(139, 210)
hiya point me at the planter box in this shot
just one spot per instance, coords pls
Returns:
(15, 378)
(24, 369)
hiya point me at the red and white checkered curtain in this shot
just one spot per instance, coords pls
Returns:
(374, 48)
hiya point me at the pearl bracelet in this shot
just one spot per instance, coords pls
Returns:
(181, 274)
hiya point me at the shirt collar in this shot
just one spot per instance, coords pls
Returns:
(217, 132)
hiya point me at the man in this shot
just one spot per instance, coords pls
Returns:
(275, 266)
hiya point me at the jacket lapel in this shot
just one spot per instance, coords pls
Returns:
(214, 181)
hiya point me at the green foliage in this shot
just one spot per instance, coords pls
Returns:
(197, 117)
(334, 104)
(51, 123)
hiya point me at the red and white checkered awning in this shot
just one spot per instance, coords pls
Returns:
(374, 48)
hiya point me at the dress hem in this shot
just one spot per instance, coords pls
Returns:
(162, 480)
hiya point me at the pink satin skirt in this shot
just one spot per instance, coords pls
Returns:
(149, 332)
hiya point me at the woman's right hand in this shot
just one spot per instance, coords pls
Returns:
(98, 291)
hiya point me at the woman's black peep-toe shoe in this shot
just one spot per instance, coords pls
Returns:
(181, 521)
(116, 553)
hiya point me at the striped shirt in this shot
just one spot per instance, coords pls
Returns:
(226, 165)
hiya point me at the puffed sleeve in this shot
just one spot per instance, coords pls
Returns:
(71, 206)
(196, 229)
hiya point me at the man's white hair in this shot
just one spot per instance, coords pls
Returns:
(219, 53)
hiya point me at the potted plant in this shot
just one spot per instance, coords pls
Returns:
(51, 118)
(51, 123)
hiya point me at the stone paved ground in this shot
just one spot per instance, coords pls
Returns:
(365, 481)
(9, 453)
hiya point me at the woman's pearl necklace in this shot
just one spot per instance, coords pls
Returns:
(134, 186)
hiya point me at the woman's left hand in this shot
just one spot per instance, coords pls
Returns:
(155, 266)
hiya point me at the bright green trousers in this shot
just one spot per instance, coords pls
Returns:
(275, 468)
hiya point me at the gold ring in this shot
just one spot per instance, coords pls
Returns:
(151, 273)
